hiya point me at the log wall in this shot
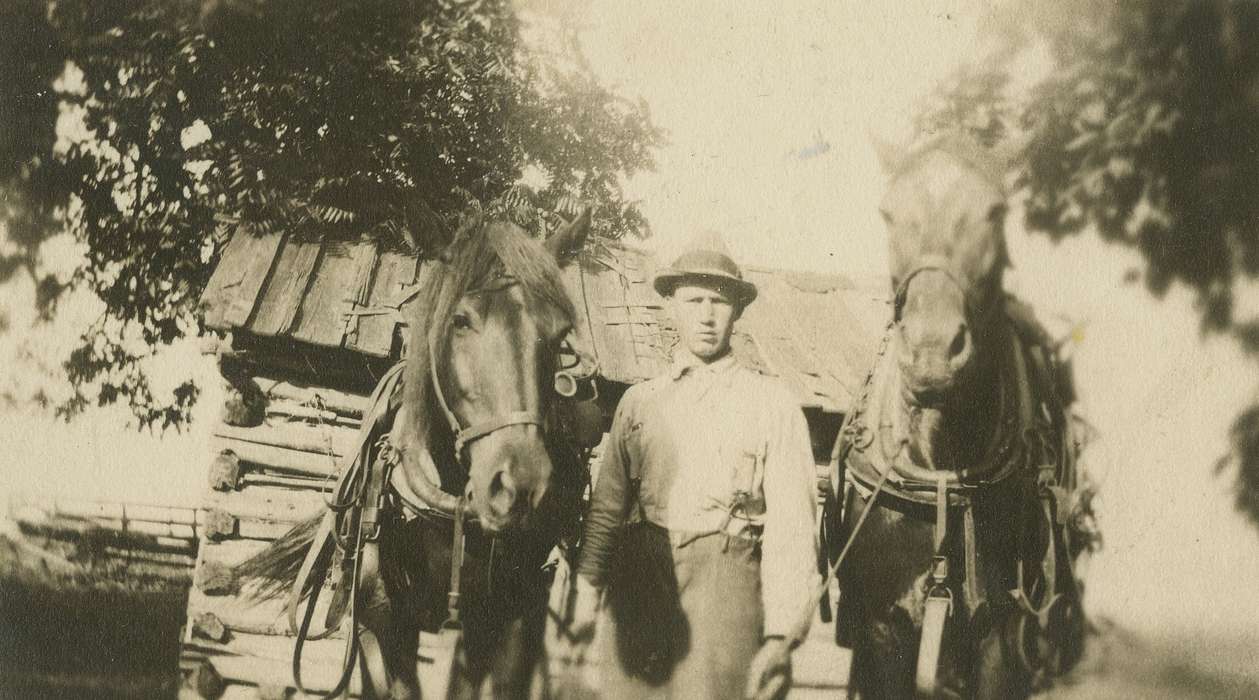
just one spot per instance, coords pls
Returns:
(261, 480)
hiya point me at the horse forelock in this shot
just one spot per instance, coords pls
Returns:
(532, 266)
(941, 198)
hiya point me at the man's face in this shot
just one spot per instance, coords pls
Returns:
(705, 317)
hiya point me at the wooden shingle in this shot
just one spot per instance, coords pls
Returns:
(282, 297)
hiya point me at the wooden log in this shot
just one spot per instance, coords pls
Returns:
(299, 363)
(260, 503)
(323, 440)
(224, 471)
(282, 459)
(273, 691)
(266, 660)
(219, 525)
(244, 613)
(207, 681)
(291, 411)
(340, 402)
(207, 625)
(312, 484)
(215, 578)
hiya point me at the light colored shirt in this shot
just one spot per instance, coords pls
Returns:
(719, 448)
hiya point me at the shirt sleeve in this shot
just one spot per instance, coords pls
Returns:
(789, 546)
(608, 499)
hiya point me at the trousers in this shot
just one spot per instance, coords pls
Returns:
(719, 601)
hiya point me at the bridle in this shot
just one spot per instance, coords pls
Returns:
(569, 384)
(970, 299)
(939, 263)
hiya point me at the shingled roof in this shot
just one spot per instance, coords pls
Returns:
(815, 331)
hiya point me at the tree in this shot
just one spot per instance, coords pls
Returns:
(1147, 131)
(382, 118)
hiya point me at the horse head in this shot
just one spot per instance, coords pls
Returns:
(944, 208)
(482, 382)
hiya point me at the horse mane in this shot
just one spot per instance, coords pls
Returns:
(479, 250)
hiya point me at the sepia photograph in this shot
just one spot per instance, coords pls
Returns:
(581, 349)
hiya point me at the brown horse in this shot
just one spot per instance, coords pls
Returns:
(474, 447)
(960, 450)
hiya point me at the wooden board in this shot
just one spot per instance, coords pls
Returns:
(366, 260)
(394, 271)
(614, 343)
(281, 301)
(330, 295)
(243, 269)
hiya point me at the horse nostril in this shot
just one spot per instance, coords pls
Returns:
(502, 491)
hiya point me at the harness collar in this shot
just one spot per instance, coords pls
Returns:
(910, 481)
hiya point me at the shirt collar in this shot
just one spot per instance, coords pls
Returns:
(685, 362)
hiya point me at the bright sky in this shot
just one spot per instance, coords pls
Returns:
(768, 107)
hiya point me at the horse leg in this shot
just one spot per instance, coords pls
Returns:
(388, 640)
(997, 673)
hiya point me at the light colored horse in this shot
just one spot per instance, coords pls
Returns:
(960, 451)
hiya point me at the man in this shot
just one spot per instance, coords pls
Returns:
(708, 474)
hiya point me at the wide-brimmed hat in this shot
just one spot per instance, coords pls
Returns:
(706, 259)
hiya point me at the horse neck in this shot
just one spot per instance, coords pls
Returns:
(956, 434)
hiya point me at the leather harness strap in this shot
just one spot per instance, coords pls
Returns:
(464, 435)
(456, 568)
(938, 263)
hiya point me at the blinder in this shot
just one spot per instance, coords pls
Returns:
(576, 381)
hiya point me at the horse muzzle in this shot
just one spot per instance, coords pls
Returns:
(508, 479)
(933, 360)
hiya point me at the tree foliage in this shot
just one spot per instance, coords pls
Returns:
(321, 118)
(1146, 130)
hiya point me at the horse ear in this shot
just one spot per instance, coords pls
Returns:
(568, 238)
(891, 156)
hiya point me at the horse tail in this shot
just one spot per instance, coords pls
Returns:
(278, 565)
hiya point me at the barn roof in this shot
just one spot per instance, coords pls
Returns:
(815, 331)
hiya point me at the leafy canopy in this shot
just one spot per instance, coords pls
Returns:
(318, 117)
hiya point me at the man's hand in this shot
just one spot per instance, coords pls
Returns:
(577, 629)
(584, 611)
(769, 677)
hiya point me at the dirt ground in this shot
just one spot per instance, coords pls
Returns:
(74, 628)
(80, 629)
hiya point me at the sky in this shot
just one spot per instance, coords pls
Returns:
(769, 110)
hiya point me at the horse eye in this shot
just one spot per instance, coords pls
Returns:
(461, 321)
